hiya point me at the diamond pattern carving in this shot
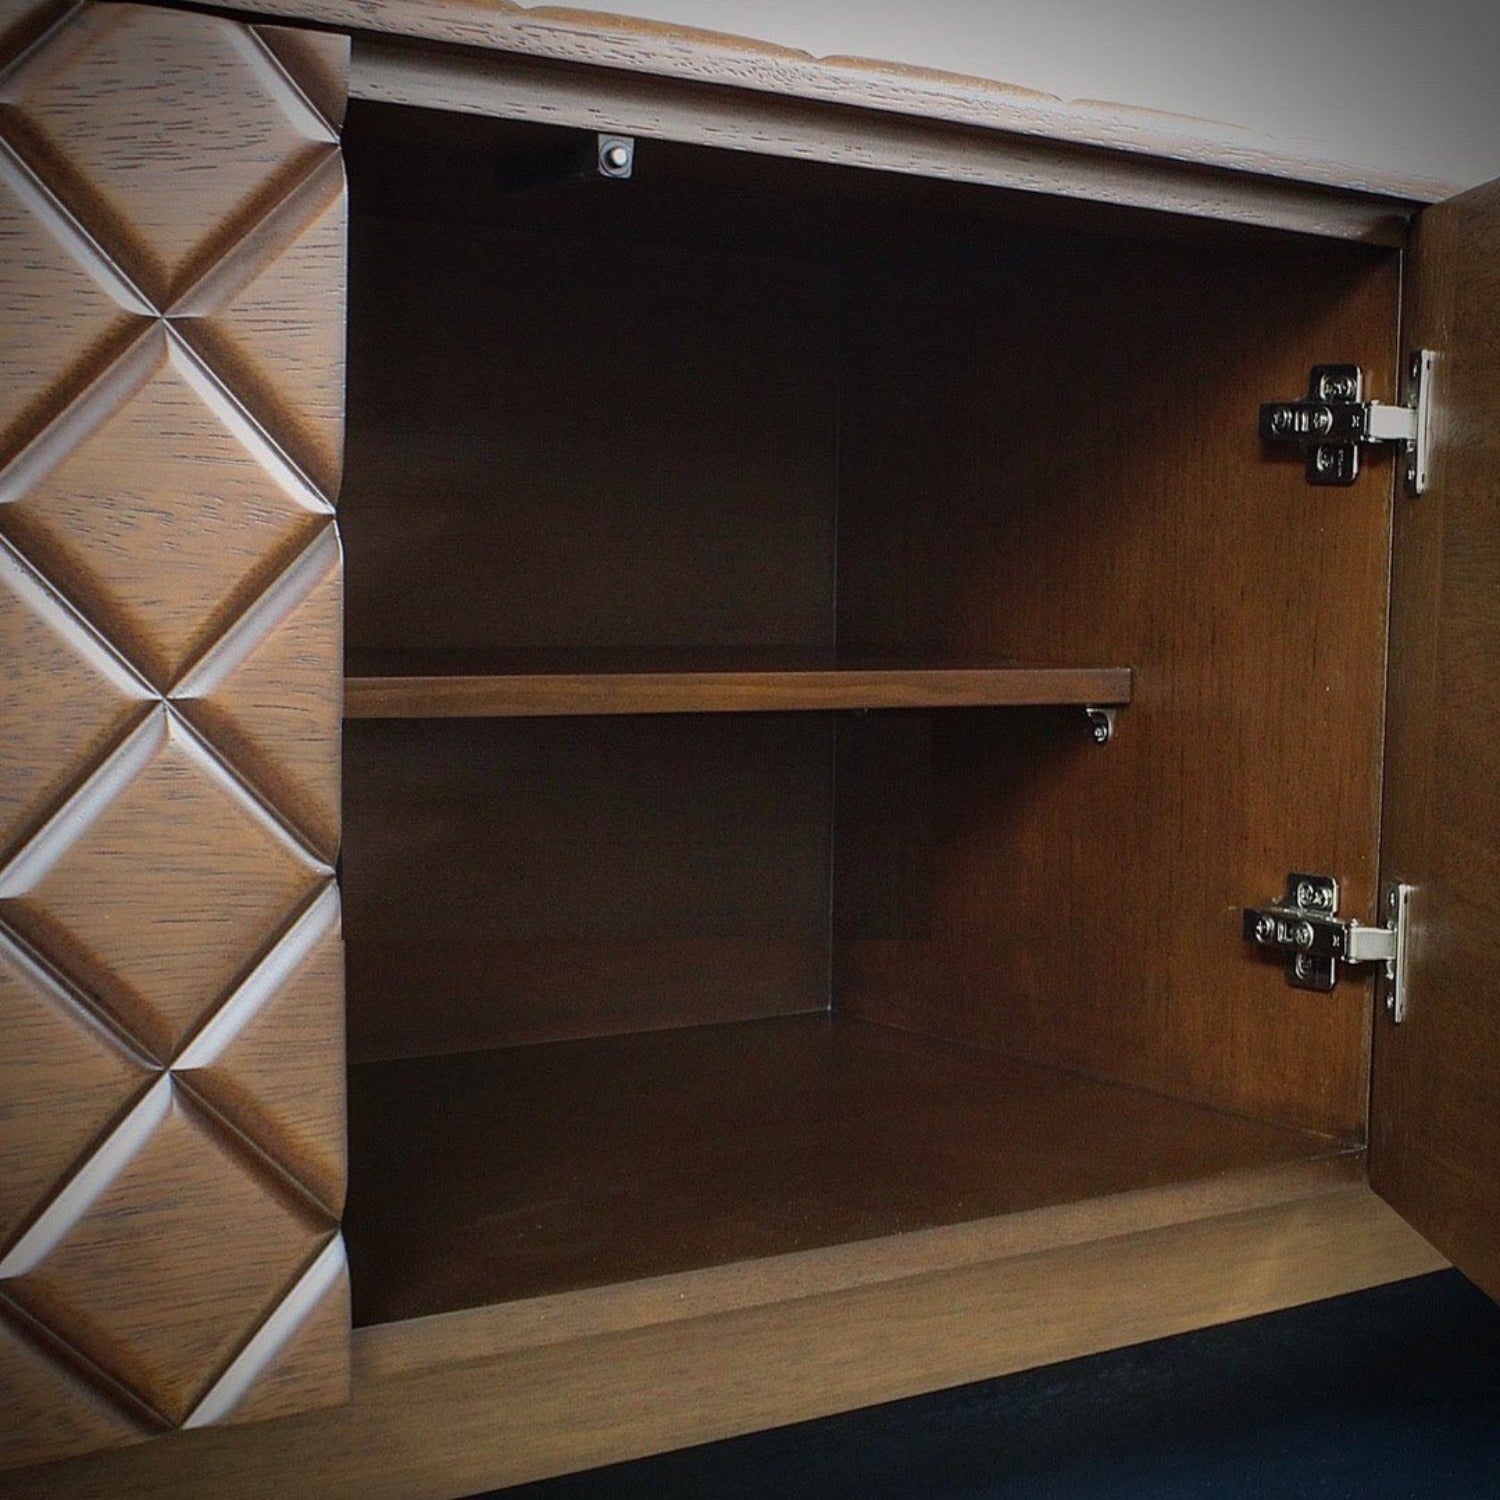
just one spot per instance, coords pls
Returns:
(136, 1271)
(63, 1080)
(158, 508)
(64, 700)
(171, 378)
(263, 697)
(51, 344)
(262, 317)
(272, 1059)
(224, 876)
(50, 1410)
(210, 94)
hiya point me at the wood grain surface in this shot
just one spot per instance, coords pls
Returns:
(642, 47)
(396, 686)
(519, 880)
(777, 124)
(171, 268)
(1085, 903)
(1435, 1113)
(611, 1160)
(429, 1427)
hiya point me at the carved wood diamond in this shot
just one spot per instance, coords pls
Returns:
(65, 700)
(52, 345)
(124, 89)
(157, 507)
(157, 885)
(171, 377)
(133, 1267)
(63, 1080)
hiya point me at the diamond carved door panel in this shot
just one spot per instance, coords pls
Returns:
(172, 226)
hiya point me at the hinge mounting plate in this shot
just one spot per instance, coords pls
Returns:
(1334, 419)
(1305, 926)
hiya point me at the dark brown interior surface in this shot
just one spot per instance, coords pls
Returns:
(499, 1175)
(746, 405)
(515, 881)
(1056, 460)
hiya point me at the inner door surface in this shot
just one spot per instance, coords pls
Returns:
(1435, 1122)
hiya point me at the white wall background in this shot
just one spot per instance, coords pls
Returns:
(1411, 87)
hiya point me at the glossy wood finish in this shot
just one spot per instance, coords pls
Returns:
(465, 685)
(171, 1106)
(1085, 904)
(1435, 1145)
(462, 1403)
(529, 880)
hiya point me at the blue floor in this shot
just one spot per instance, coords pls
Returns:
(1389, 1393)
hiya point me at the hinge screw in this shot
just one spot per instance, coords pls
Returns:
(1265, 930)
(1337, 387)
(1302, 966)
(1302, 935)
(1312, 897)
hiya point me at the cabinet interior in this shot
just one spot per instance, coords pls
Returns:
(731, 553)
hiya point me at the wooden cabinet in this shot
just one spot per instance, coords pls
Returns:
(764, 994)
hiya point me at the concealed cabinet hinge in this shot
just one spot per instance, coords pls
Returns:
(1305, 926)
(1334, 419)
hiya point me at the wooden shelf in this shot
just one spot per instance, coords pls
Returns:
(494, 1176)
(409, 684)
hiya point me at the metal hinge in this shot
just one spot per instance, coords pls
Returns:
(1305, 926)
(1334, 419)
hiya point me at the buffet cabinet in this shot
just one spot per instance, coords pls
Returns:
(643, 693)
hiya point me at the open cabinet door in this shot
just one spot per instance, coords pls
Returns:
(171, 967)
(1435, 1125)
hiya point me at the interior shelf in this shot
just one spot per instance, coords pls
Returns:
(492, 1176)
(478, 684)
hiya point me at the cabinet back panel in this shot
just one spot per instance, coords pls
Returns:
(518, 881)
(556, 441)
(1062, 466)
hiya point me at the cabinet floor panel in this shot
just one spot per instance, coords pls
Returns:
(464, 684)
(494, 1176)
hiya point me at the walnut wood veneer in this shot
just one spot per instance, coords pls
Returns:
(172, 1155)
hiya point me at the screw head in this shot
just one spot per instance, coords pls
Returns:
(1336, 387)
(1265, 929)
(1302, 934)
(1325, 460)
(1302, 966)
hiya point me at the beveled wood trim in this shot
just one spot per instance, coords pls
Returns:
(416, 1426)
(833, 128)
(487, 1332)
(724, 690)
(634, 45)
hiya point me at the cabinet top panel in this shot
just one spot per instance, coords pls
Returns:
(627, 45)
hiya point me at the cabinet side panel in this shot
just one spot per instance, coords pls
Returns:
(1435, 1114)
(172, 1120)
(1052, 456)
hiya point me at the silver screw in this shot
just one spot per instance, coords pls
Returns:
(1281, 419)
(1325, 460)
(1265, 929)
(1302, 935)
(1302, 966)
(1336, 387)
